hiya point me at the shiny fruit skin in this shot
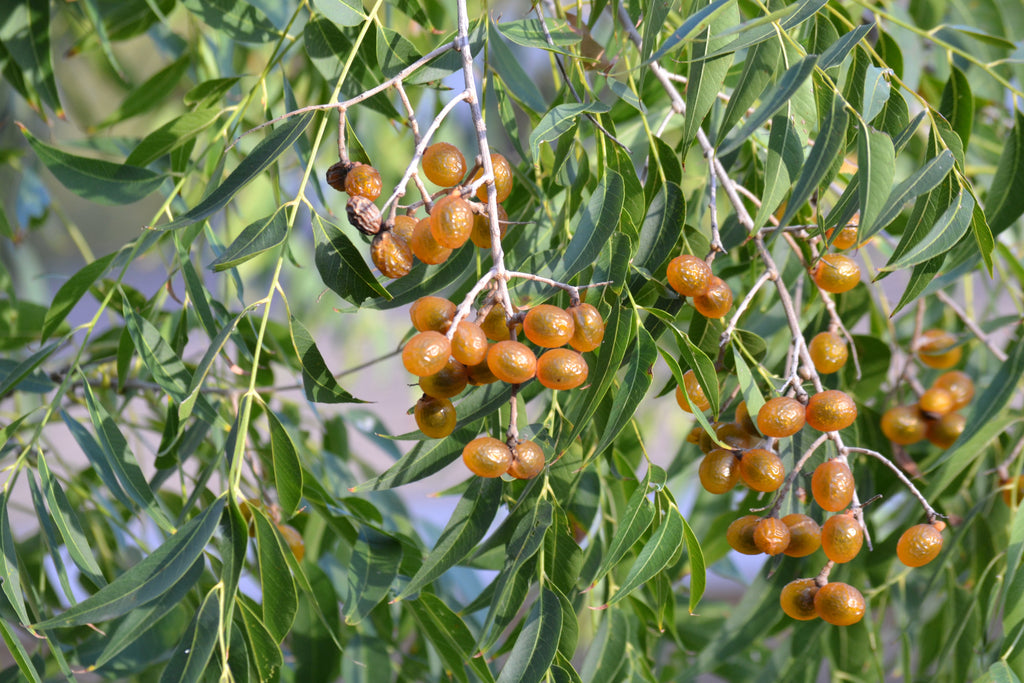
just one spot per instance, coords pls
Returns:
(403, 227)
(447, 382)
(432, 313)
(743, 419)
(780, 417)
(846, 238)
(740, 535)
(527, 460)
(840, 604)
(435, 417)
(938, 349)
(469, 343)
(426, 353)
(481, 374)
(548, 326)
(762, 470)
(294, 540)
(831, 411)
(771, 536)
(485, 456)
(391, 255)
(719, 471)
(946, 430)
(495, 324)
(797, 599)
(904, 425)
(502, 179)
(425, 247)
(841, 538)
(451, 221)
(481, 233)
(832, 485)
(919, 545)
(364, 181)
(693, 389)
(443, 164)
(716, 301)
(734, 436)
(588, 327)
(804, 535)
(512, 362)
(828, 352)
(936, 402)
(689, 275)
(561, 369)
(836, 273)
(959, 384)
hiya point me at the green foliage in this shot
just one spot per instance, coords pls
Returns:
(195, 487)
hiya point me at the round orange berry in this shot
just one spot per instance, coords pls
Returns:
(840, 604)
(481, 374)
(936, 402)
(694, 391)
(431, 313)
(689, 275)
(426, 353)
(919, 545)
(762, 470)
(716, 301)
(443, 164)
(804, 535)
(447, 382)
(903, 425)
(719, 471)
(512, 361)
(828, 352)
(830, 411)
(938, 349)
(740, 535)
(451, 221)
(435, 417)
(743, 419)
(469, 343)
(364, 181)
(797, 599)
(294, 540)
(836, 273)
(391, 255)
(588, 327)
(946, 430)
(425, 247)
(527, 460)
(832, 485)
(495, 324)
(846, 238)
(502, 179)
(841, 538)
(486, 456)
(403, 227)
(780, 417)
(548, 326)
(481, 234)
(561, 369)
(959, 384)
(771, 536)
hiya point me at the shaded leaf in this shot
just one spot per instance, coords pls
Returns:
(342, 12)
(206, 363)
(947, 231)
(342, 267)
(265, 654)
(560, 119)
(1005, 201)
(189, 659)
(661, 550)
(827, 146)
(528, 33)
(839, 50)
(371, 571)
(71, 291)
(957, 104)
(688, 28)
(10, 574)
(450, 636)
(535, 648)
(594, 228)
(18, 653)
(258, 237)
(240, 20)
(172, 135)
(277, 587)
(426, 458)
(317, 380)
(149, 93)
(633, 521)
(287, 470)
(919, 182)
(698, 567)
(631, 392)
(607, 651)
(503, 61)
(783, 164)
(758, 70)
(66, 519)
(876, 92)
(706, 76)
(876, 167)
(25, 36)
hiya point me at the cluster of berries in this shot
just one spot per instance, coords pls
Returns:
(447, 359)
(692, 277)
(838, 273)
(453, 220)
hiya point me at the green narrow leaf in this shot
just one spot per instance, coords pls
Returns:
(758, 69)
(317, 380)
(505, 63)
(287, 470)
(762, 28)
(171, 136)
(698, 567)
(10, 575)
(189, 659)
(703, 368)
(25, 36)
(876, 91)
(71, 291)
(203, 368)
(957, 103)
(660, 229)
(695, 22)
(594, 228)
(607, 652)
(342, 267)
(18, 653)
(342, 12)
(121, 461)
(1005, 201)
(560, 119)
(983, 236)
(150, 92)
(258, 237)
(876, 161)
(147, 580)
(948, 230)
(827, 146)
(920, 277)
(632, 523)
(919, 182)
(467, 525)
(839, 50)
(372, 569)
(264, 651)
(450, 636)
(97, 457)
(528, 33)
(239, 19)
(631, 392)
(100, 181)
(425, 459)
(782, 166)
(661, 550)
(23, 369)
(706, 76)
(280, 601)
(788, 85)
(66, 519)
(535, 648)
(209, 92)
(261, 157)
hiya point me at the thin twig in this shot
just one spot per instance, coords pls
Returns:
(971, 325)
(791, 477)
(740, 310)
(716, 238)
(929, 510)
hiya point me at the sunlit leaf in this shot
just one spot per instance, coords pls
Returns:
(317, 380)
(660, 550)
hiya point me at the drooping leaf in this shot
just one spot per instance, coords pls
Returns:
(537, 643)
(317, 380)
(10, 574)
(785, 159)
(71, 291)
(606, 654)
(698, 567)
(593, 229)
(257, 237)
(1005, 201)
(426, 458)
(374, 565)
(633, 521)
(287, 470)
(957, 103)
(189, 659)
(659, 552)
(528, 33)
(240, 20)
(149, 93)
(504, 62)
(450, 636)
(171, 135)
(839, 50)
(706, 76)
(919, 182)
(560, 119)
(631, 392)
(66, 519)
(342, 267)
(687, 29)
(276, 583)
(827, 146)
(876, 92)
(25, 37)
(147, 580)
(947, 231)
(206, 363)
(876, 166)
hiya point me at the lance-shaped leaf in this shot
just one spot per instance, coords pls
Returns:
(66, 519)
(189, 659)
(278, 587)
(947, 231)
(593, 230)
(319, 383)
(785, 159)
(147, 580)
(631, 392)
(341, 265)
(560, 119)
(10, 575)
(661, 550)
(150, 92)
(450, 636)
(876, 166)
(698, 567)
(919, 182)
(256, 238)
(238, 19)
(838, 51)
(287, 470)
(827, 146)
(171, 136)
(426, 458)
(695, 22)
(25, 36)
(633, 521)
(758, 71)
(71, 291)
(537, 643)
(706, 76)
(371, 571)
(607, 652)
(1005, 201)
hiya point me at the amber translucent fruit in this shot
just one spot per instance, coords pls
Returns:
(771, 536)
(431, 313)
(903, 425)
(693, 389)
(527, 460)
(403, 227)
(740, 535)
(830, 411)
(425, 247)
(451, 222)
(495, 325)
(689, 275)
(391, 255)
(797, 599)
(828, 352)
(435, 417)
(512, 361)
(561, 369)
(846, 238)
(588, 327)
(780, 417)
(804, 535)
(447, 382)
(294, 540)
(832, 485)
(938, 349)
(363, 181)
(481, 233)
(762, 470)
(716, 300)
(840, 604)
(548, 326)
(426, 353)
(469, 343)
(836, 273)
(732, 435)
(444, 164)
(486, 456)
(935, 402)
(719, 471)
(959, 384)
(743, 419)
(919, 545)
(946, 430)
(502, 179)
(841, 538)
(480, 374)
